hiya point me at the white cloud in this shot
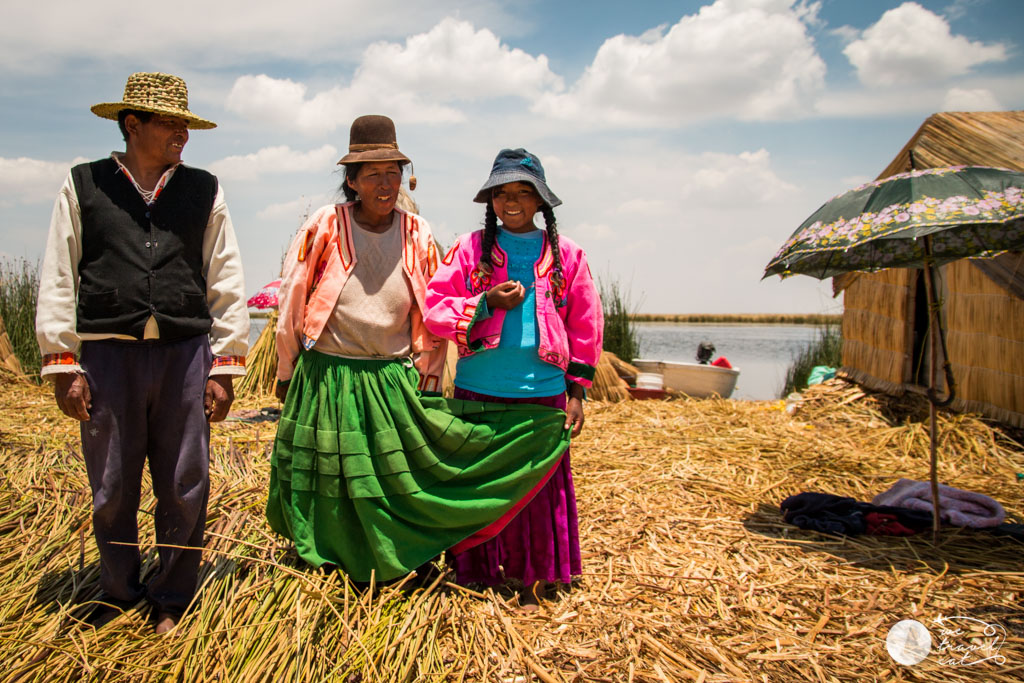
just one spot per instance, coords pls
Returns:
(269, 160)
(28, 181)
(910, 44)
(585, 232)
(724, 179)
(412, 82)
(959, 8)
(456, 61)
(852, 181)
(748, 59)
(283, 103)
(978, 99)
(297, 209)
(644, 207)
(217, 34)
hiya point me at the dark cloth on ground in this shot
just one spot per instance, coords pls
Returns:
(841, 516)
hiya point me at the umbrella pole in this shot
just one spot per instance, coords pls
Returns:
(934, 330)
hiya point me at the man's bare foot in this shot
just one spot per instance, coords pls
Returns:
(165, 621)
(531, 596)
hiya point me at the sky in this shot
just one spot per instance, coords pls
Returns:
(687, 140)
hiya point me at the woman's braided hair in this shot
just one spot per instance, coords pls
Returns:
(351, 171)
(491, 234)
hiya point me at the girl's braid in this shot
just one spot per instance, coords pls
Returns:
(490, 233)
(552, 228)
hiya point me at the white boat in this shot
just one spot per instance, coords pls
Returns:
(693, 379)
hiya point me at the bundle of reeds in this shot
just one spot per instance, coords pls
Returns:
(608, 385)
(689, 572)
(261, 363)
(19, 289)
(7, 356)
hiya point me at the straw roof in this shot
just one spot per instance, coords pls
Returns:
(689, 572)
(952, 138)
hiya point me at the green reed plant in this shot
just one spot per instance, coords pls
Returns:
(19, 287)
(620, 332)
(827, 350)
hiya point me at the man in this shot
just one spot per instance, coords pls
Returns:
(143, 280)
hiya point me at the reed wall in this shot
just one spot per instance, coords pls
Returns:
(876, 331)
(985, 336)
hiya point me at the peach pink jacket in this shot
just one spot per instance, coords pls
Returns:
(318, 265)
(570, 323)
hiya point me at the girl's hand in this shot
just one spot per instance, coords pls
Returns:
(507, 295)
(574, 416)
(574, 409)
(281, 390)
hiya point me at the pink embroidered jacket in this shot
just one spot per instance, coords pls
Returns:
(570, 323)
(319, 263)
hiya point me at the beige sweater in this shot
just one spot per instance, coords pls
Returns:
(371, 317)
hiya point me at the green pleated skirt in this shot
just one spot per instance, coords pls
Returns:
(374, 478)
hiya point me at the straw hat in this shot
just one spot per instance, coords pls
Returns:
(517, 166)
(372, 138)
(155, 92)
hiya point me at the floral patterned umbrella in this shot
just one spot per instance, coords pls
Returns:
(968, 211)
(919, 219)
(266, 297)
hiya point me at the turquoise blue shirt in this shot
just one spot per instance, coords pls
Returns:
(513, 368)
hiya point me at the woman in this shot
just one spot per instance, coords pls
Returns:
(367, 474)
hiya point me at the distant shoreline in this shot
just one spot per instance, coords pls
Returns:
(750, 318)
(743, 318)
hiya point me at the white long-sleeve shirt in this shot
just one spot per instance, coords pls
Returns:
(56, 309)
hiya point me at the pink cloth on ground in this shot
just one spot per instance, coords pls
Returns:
(956, 507)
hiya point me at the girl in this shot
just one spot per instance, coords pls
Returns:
(523, 308)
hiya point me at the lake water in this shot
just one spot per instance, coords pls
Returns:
(762, 353)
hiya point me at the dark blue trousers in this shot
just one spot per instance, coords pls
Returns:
(147, 404)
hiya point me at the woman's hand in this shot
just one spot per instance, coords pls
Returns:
(574, 409)
(281, 390)
(507, 295)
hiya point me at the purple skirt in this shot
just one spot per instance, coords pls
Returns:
(542, 542)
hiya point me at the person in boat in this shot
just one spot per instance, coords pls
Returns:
(521, 304)
(370, 472)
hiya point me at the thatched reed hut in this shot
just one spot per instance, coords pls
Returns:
(885, 344)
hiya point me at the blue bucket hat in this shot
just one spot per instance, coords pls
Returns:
(517, 166)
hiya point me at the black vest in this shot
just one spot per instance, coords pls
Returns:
(140, 260)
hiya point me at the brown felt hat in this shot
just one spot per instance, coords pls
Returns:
(372, 138)
(155, 92)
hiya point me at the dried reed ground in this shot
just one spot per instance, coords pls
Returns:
(689, 571)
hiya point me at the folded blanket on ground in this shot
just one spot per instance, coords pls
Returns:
(957, 507)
